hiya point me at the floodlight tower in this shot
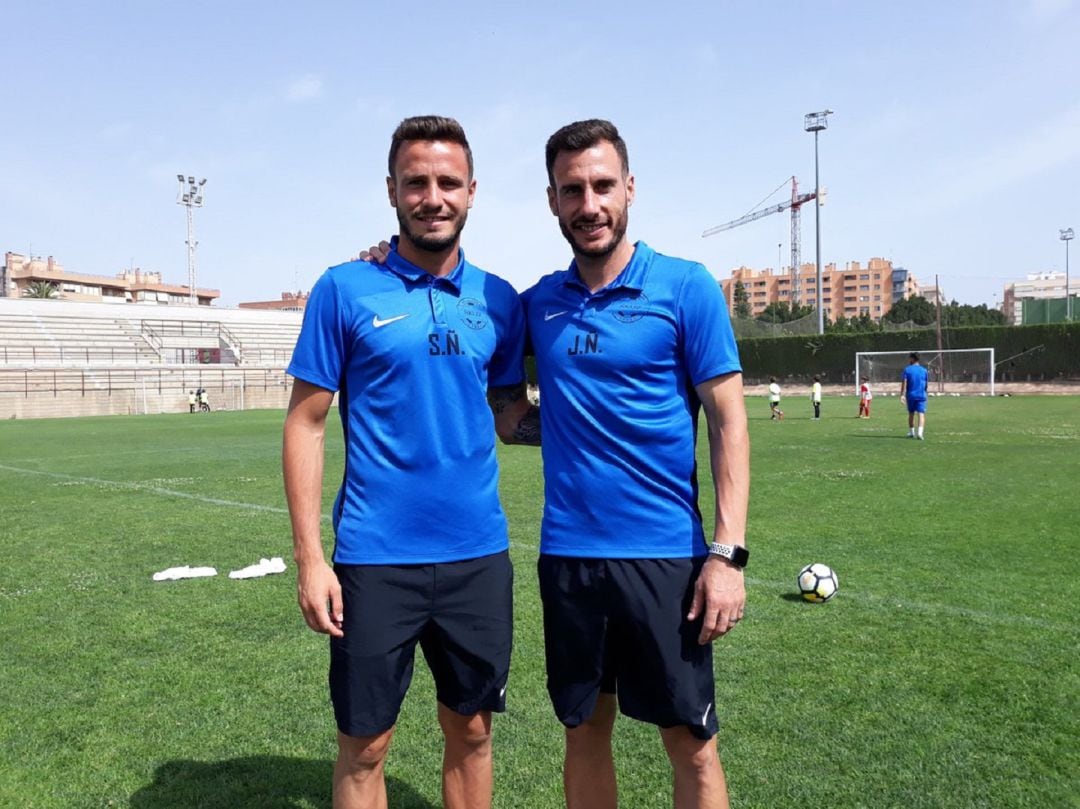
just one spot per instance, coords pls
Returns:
(190, 196)
(815, 122)
(1067, 236)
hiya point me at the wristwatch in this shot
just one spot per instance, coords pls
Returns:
(736, 554)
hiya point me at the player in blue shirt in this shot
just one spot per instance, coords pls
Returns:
(412, 349)
(913, 393)
(630, 346)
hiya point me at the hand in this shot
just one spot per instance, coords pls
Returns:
(719, 597)
(319, 593)
(375, 255)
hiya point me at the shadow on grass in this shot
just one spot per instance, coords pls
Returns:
(261, 782)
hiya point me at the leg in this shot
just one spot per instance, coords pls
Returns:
(358, 773)
(589, 767)
(699, 777)
(467, 768)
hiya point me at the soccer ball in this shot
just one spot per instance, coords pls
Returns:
(818, 582)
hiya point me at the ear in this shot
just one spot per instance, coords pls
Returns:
(391, 192)
(472, 192)
(629, 190)
(552, 204)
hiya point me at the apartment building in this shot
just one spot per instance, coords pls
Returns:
(1041, 286)
(849, 292)
(128, 286)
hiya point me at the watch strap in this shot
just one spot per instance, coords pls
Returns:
(736, 554)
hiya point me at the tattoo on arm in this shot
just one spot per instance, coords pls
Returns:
(501, 398)
(528, 429)
(504, 402)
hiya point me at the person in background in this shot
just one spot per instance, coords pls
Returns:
(913, 394)
(866, 396)
(815, 397)
(776, 414)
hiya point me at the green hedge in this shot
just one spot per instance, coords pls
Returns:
(832, 356)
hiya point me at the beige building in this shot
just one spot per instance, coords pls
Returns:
(1037, 285)
(128, 286)
(290, 302)
(852, 291)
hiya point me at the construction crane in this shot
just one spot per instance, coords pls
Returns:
(795, 203)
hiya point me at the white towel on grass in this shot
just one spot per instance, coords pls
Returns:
(185, 572)
(264, 568)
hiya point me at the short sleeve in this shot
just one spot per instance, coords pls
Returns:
(319, 356)
(708, 342)
(508, 364)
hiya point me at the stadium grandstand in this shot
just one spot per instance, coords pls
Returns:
(66, 358)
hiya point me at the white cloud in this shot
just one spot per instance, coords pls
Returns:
(304, 88)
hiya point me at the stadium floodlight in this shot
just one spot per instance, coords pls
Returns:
(815, 122)
(191, 196)
(1067, 236)
(952, 371)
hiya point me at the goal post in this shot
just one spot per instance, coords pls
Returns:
(955, 370)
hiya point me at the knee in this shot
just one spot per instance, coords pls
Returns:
(470, 732)
(598, 727)
(689, 753)
(362, 754)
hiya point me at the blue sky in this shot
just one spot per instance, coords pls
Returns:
(954, 149)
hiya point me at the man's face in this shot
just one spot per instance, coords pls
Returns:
(432, 192)
(591, 198)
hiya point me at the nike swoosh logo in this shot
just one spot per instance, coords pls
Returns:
(553, 315)
(378, 324)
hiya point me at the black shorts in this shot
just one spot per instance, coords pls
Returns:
(460, 613)
(619, 626)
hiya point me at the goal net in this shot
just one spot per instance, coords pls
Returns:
(961, 371)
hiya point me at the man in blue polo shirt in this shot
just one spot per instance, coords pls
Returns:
(913, 393)
(630, 346)
(413, 348)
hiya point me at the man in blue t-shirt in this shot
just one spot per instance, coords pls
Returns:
(413, 349)
(630, 346)
(913, 393)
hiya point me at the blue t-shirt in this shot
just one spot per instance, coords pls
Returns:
(617, 370)
(412, 356)
(915, 377)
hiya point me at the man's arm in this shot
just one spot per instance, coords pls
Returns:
(318, 589)
(516, 420)
(719, 592)
(903, 385)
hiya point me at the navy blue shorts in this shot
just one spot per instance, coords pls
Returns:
(619, 626)
(460, 613)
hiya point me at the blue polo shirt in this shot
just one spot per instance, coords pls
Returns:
(412, 356)
(617, 369)
(915, 376)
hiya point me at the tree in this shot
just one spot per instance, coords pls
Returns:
(783, 312)
(39, 289)
(742, 301)
(962, 314)
(916, 309)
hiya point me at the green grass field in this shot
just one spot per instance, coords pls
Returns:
(944, 674)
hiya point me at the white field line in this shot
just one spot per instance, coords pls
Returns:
(905, 605)
(158, 490)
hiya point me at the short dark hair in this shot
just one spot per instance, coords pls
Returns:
(914, 355)
(429, 127)
(583, 135)
(817, 378)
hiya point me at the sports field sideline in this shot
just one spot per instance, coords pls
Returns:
(944, 674)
